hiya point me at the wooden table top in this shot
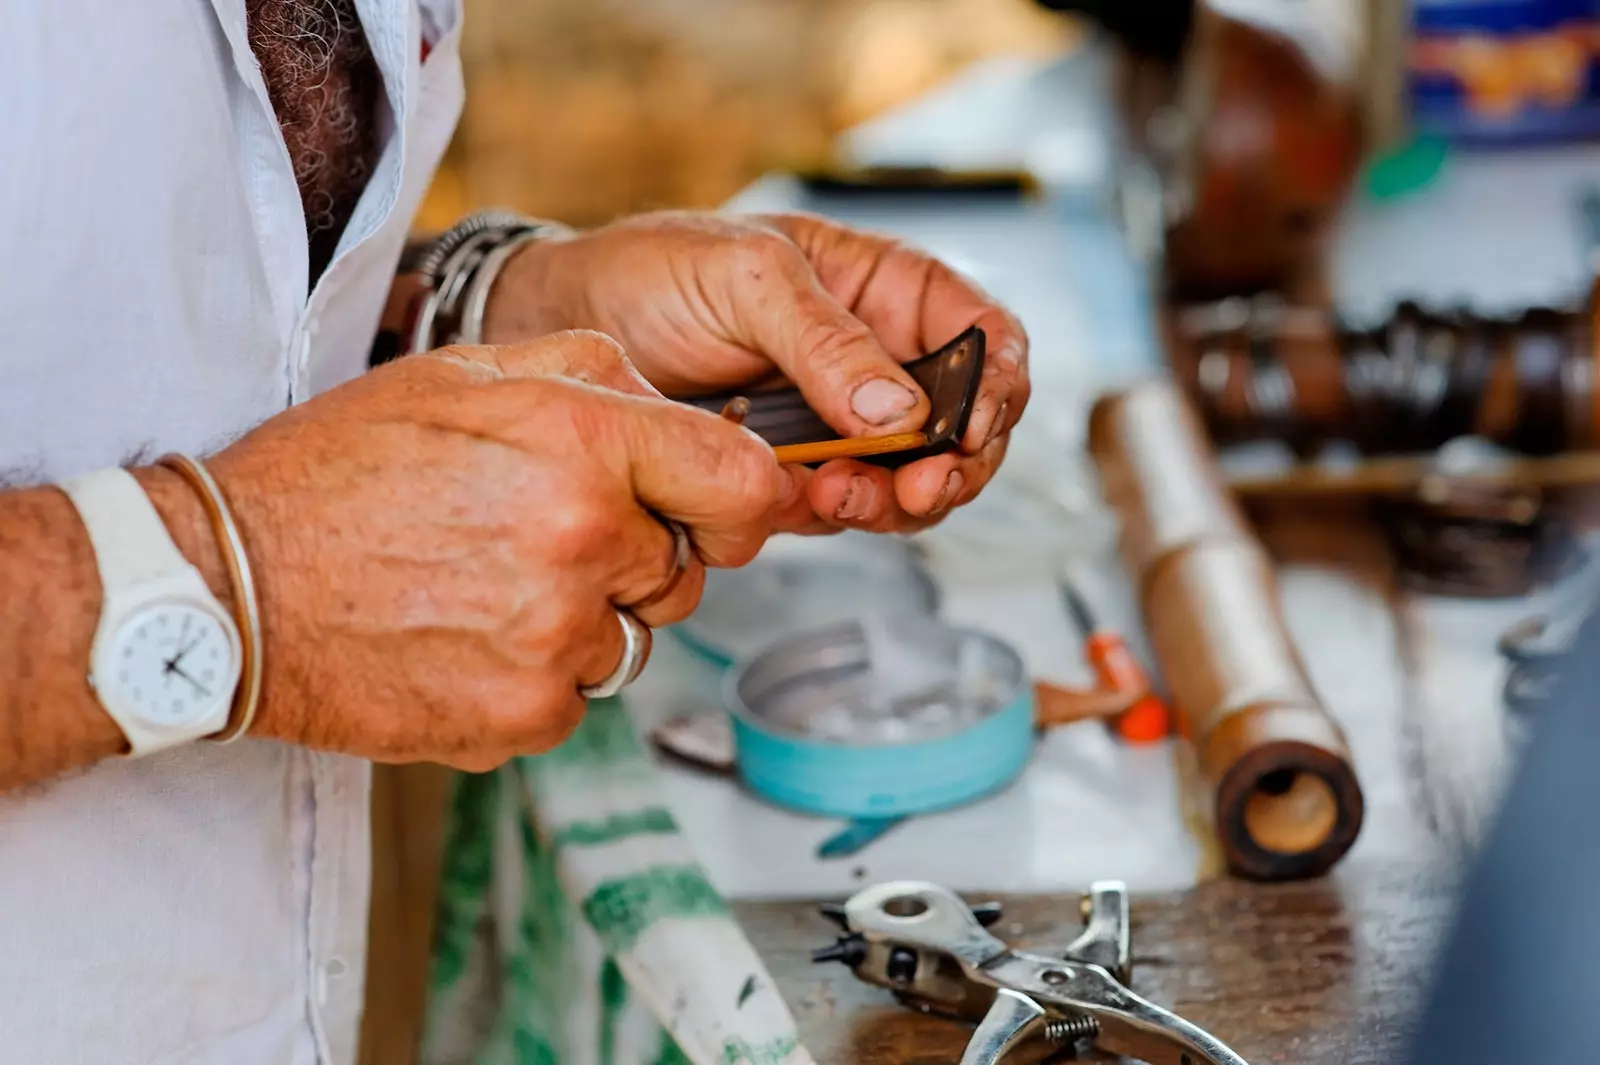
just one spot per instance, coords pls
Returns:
(1326, 972)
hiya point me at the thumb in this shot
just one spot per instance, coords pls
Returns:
(834, 359)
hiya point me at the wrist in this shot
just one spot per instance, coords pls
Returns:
(64, 570)
(191, 529)
(406, 295)
(185, 518)
(54, 571)
(537, 292)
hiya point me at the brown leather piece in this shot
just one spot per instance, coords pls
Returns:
(950, 377)
(1286, 801)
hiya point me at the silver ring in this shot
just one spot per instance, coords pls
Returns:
(636, 642)
(682, 552)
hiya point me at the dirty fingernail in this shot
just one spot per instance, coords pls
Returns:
(859, 500)
(881, 400)
(952, 489)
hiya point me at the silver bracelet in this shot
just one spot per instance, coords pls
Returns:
(247, 605)
(476, 300)
(459, 268)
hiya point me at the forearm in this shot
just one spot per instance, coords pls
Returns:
(50, 721)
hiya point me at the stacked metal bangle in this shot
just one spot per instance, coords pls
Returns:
(246, 604)
(459, 269)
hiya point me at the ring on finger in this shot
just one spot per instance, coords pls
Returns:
(636, 643)
(682, 552)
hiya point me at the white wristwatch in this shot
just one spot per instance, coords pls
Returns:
(166, 656)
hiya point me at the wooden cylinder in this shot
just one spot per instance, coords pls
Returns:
(1286, 800)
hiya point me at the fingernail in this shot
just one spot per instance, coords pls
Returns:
(881, 400)
(996, 426)
(952, 488)
(1011, 354)
(859, 500)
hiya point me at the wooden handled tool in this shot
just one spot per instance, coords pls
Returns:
(850, 447)
(737, 409)
(949, 378)
(1144, 718)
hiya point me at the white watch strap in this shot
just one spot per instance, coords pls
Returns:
(131, 543)
(139, 564)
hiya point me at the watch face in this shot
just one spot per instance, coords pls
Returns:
(171, 664)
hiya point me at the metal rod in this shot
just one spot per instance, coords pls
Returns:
(1402, 476)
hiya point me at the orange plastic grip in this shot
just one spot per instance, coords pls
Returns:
(1146, 721)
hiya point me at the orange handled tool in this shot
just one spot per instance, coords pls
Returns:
(1116, 670)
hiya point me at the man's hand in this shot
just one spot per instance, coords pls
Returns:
(440, 545)
(707, 303)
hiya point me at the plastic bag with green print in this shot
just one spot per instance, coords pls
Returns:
(576, 928)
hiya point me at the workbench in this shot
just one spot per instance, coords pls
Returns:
(1329, 971)
(1320, 973)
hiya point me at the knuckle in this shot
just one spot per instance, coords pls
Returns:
(760, 253)
(755, 479)
(542, 632)
(454, 361)
(534, 717)
(682, 602)
(595, 346)
(462, 352)
(576, 530)
(835, 343)
(740, 550)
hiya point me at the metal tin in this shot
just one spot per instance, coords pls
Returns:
(774, 696)
(799, 587)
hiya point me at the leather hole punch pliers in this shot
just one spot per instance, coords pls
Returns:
(925, 944)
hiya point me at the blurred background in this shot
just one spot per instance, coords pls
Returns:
(582, 110)
(1362, 239)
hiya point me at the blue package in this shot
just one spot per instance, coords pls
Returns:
(1505, 71)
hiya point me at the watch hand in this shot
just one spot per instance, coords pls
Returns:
(197, 685)
(175, 659)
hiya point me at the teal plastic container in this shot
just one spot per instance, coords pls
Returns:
(779, 762)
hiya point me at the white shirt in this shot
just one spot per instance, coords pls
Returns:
(206, 906)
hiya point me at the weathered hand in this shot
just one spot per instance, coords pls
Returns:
(440, 544)
(705, 303)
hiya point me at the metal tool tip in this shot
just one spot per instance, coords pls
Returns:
(987, 913)
(834, 912)
(1078, 608)
(852, 950)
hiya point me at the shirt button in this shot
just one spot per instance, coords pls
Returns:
(331, 970)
